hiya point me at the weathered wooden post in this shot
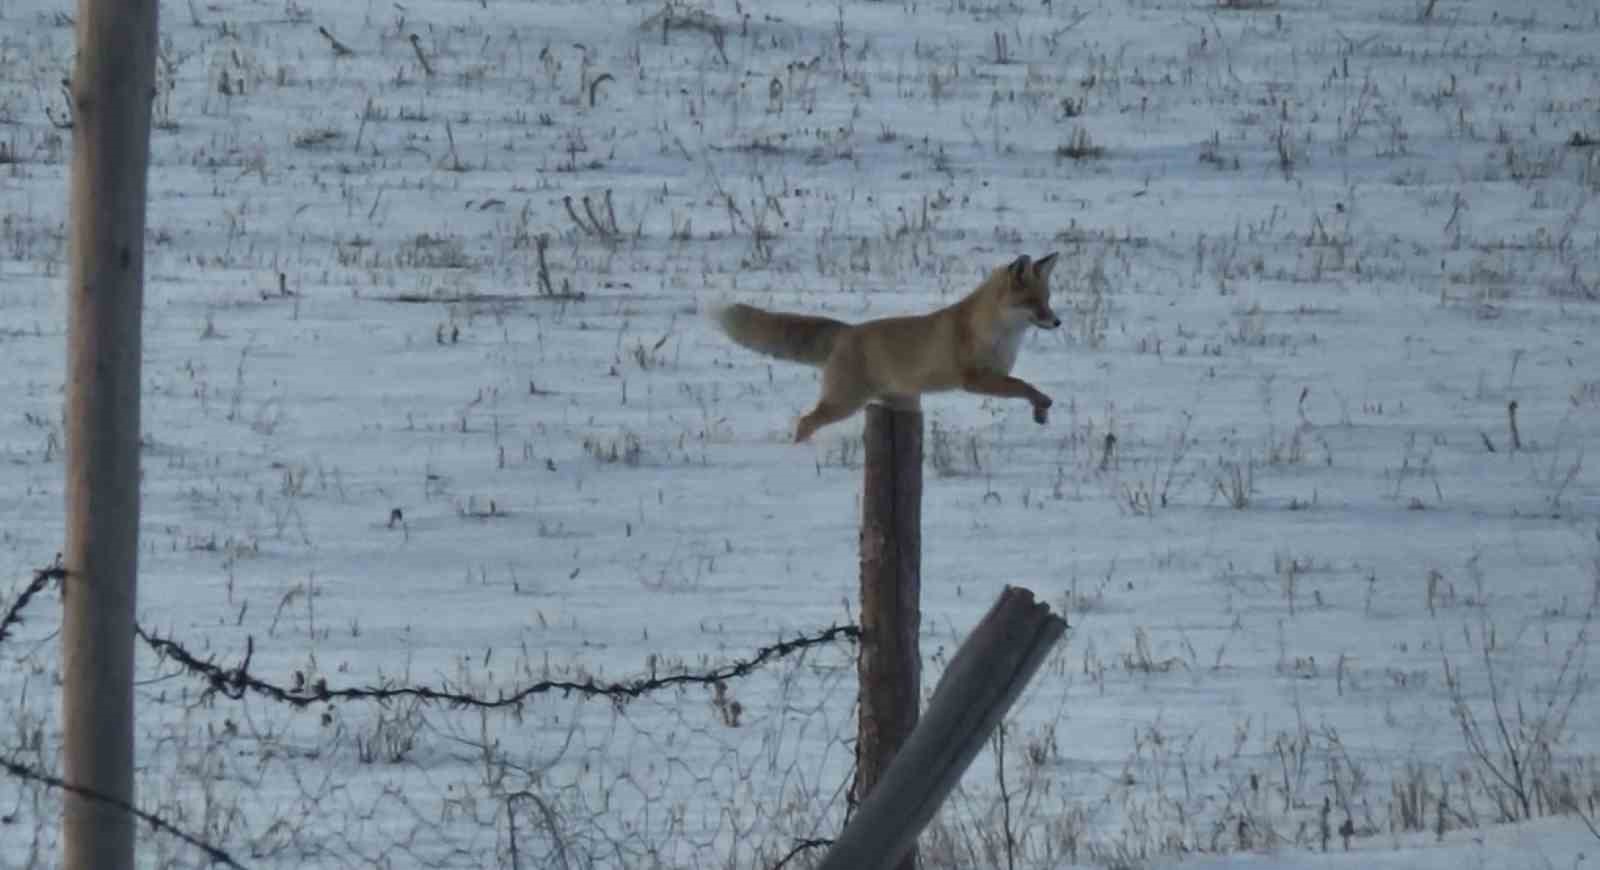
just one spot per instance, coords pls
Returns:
(112, 85)
(981, 682)
(890, 664)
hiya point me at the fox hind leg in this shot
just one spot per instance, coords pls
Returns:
(843, 394)
(827, 411)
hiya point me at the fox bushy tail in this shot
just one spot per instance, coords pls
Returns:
(801, 338)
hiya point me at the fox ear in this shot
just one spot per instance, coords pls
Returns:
(1019, 267)
(1043, 265)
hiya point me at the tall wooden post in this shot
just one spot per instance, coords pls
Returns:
(112, 86)
(890, 666)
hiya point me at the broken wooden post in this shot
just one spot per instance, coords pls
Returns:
(890, 663)
(980, 684)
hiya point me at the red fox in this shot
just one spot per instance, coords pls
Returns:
(970, 345)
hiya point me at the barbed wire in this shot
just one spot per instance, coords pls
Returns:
(217, 854)
(28, 773)
(41, 576)
(237, 681)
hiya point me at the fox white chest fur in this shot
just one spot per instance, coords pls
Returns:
(1009, 342)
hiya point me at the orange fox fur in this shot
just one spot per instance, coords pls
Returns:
(970, 345)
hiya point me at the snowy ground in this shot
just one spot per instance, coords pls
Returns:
(1311, 251)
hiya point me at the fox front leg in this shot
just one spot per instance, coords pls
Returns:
(1036, 397)
(1041, 409)
(1005, 386)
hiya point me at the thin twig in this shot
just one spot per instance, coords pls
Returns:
(339, 48)
(511, 833)
(427, 68)
(1005, 795)
(549, 818)
(594, 85)
(455, 159)
(611, 214)
(573, 214)
(601, 229)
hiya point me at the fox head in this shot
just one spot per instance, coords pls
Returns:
(1029, 289)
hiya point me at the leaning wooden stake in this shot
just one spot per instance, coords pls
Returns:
(112, 86)
(979, 686)
(890, 665)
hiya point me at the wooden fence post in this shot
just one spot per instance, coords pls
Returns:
(979, 685)
(113, 84)
(890, 664)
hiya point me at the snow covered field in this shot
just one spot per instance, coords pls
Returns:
(458, 265)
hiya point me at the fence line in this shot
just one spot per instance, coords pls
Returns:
(236, 681)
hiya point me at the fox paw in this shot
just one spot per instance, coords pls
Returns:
(1041, 413)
